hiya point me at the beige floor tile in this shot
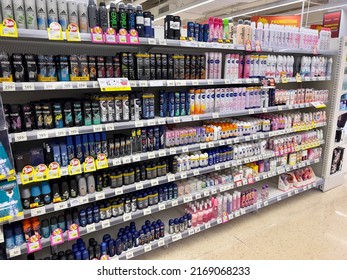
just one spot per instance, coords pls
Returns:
(312, 225)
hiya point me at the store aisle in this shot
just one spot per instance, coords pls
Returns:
(312, 225)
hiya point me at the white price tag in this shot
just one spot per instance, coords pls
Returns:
(152, 41)
(109, 126)
(84, 200)
(127, 217)
(215, 115)
(151, 122)
(236, 140)
(139, 186)
(176, 120)
(147, 247)
(147, 211)
(14, 252)
(97, 128)
(249, 81)
(203, 146)
(60, 206)
(222, 189)
(136, 158)
(185, 150)
(151, 155)
(265, 110)
(126, 160)
(197, 229)
(211, 144)
(210, 82)
(195, 82)
(227, 82)
(73, 130)
(217, 167)
(229, 141)
(118, 191)
(170, 83)
(251, 111)
(171, 177)
(67, 85)
(227, 165)
(8, 86)
(191, 231)
(96, 84)
(266, 203)
(129, 255)
(90, 228)
(280, 108)
(116, 161)
(161, 243)
(143, 83)
(265, 176)
(198, 196)
(49, 86)
(42, 134)
(196, 117)
(213, 191)
(221, 142)
(28, 86)
(279, 198)
(289, 194)
(161, 206)
(133, 83)
(305, 188)
(243, 211)
(207, 225)
(202, 44)
(81, 85)
(248, 138)
(206, 193)
(176, 237)
(237, 213)
(174, 203)
(161, 121)
(19, 137)
(60, 132)
(74, 202)
(154, 182)
(187, 199)
(296, 191)
(37, 211)
(196, 172)
(183, 175)
(100, 195)
(105, 223)
(138, 123)
(181, 83)
(162, 42)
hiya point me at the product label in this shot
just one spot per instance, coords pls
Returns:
(73, 232)
(101, 161)
(57, 237)
(114, 84)
(110, 36)
(89, 164)
(34, 244)
(55, 32)
(73, 33)
(54, 170)
(75, 167)
(9, 28)
(41, 173)
(134, 37)
(28, 175)
(97, 35)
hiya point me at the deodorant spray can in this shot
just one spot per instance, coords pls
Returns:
(19, 13)
(63, 14)
(41, 10)
(30, 14)
(52, 11)
(83, 17)
(7, 9)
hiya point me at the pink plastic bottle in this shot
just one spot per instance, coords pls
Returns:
(205, 213)
(211, 29)
(194, 217)
(200, 215)
(247, 66)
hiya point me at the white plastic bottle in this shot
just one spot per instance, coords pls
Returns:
(30, 14)
(7, 9)
(83, 17)
(41, 11)
(329, 67)
(52, 11)
(72, 12)
(19, 13)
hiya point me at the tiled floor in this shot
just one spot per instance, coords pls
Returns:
(312, 225)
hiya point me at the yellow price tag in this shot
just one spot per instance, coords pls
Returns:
(9, 28)
(74, 167)
(101, 161)
(55, 32)
(73, 33)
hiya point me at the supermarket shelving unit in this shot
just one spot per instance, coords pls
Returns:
(24, 92)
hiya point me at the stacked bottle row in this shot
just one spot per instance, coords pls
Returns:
(40, 14)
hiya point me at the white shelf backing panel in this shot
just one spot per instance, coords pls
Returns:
(333, 112)
(167, 204)
(275, 196)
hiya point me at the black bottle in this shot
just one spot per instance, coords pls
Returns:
(27, 118)
(122, 16)
(139, 20)
(131, 17)
(65, 190)
(113, 16)
(56, 195)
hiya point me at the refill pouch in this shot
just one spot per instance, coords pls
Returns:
(10, 202)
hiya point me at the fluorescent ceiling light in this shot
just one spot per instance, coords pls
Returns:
(324, 9)
(267, 8)
(185, 9)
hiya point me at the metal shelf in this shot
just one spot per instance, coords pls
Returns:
(275, 197)
(62, 132)
(168, 204)
(7, 87)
